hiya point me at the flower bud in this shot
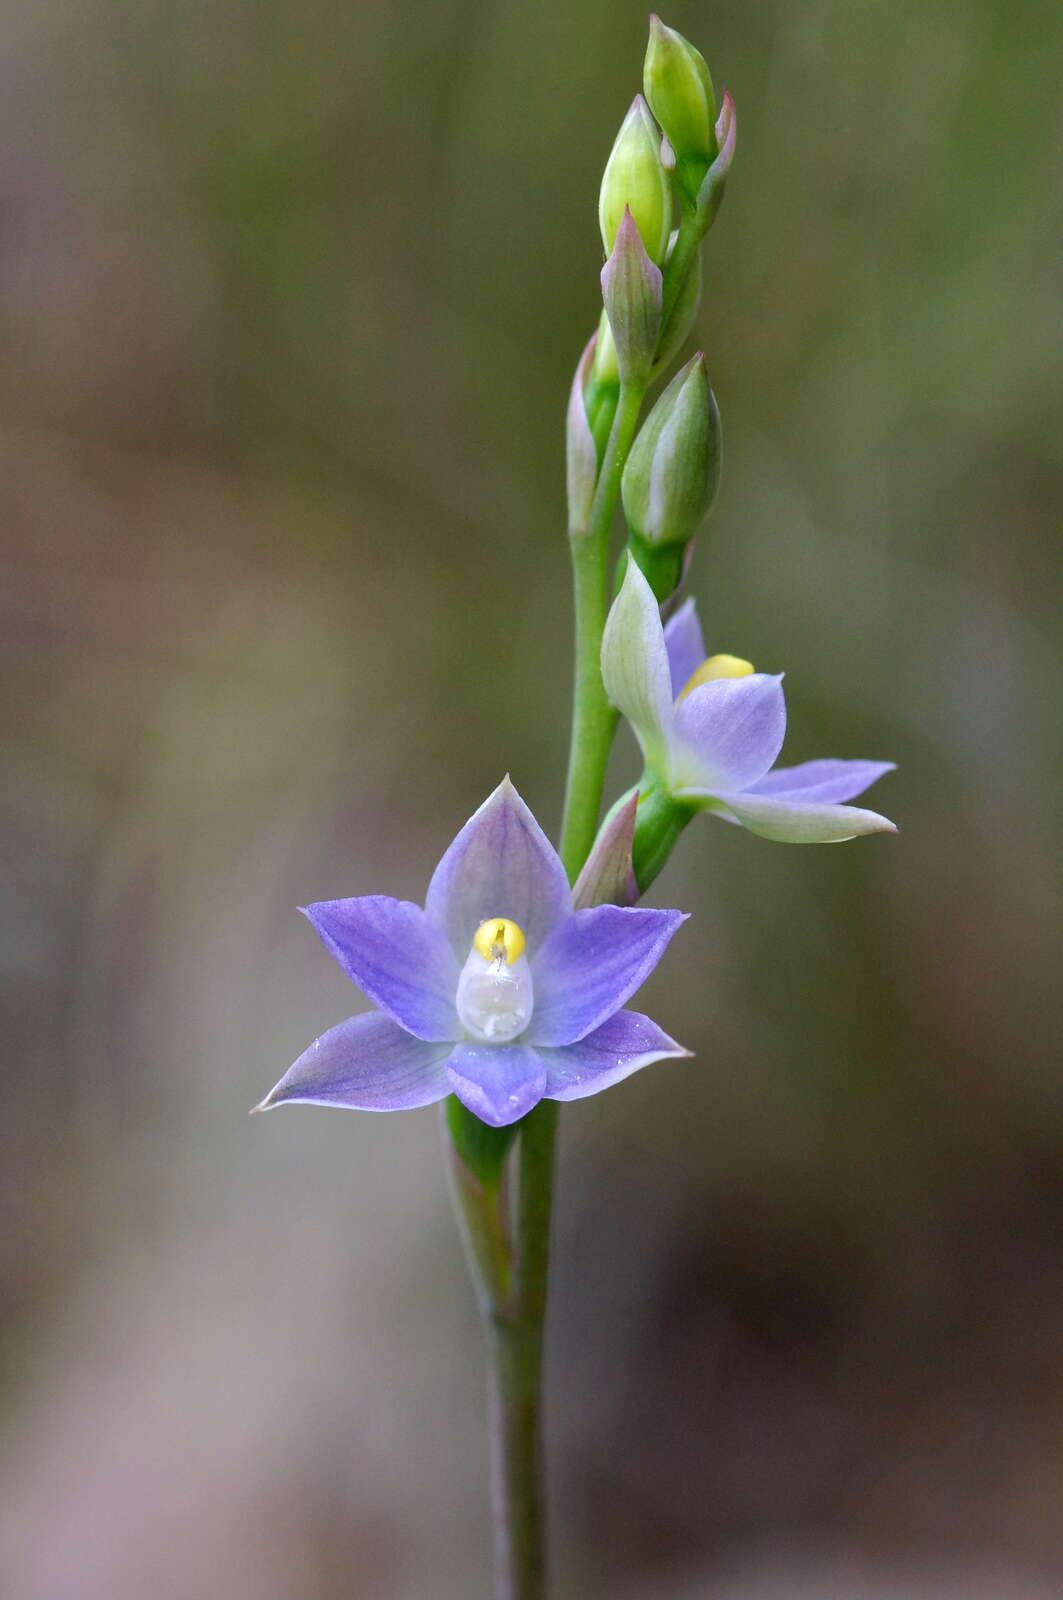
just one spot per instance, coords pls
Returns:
(673, 471)
(631, 290)
(581, 453)
(710, 195)
(602, 391)
(679, 89)
(607, 877)
(635, 180)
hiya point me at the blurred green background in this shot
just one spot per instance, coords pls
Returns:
(289, 302)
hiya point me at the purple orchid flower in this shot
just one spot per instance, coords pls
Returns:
(498, 991)
(710, 730)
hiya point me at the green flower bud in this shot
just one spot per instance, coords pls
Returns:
(673, 471)
(603, 386)
(679, 89)
(604, 368)
(635, 179)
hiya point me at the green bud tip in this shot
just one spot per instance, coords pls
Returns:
(635, 179)
(679, 90)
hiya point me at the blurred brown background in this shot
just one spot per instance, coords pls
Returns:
(289, 301)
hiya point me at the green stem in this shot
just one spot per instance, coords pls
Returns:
(679, 263)
(516, 1324)
(593, 718)
(481, 1207)
(516, 1346)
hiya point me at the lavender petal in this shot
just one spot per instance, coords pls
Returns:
(730, 731)
(500, 865)
(498, 1082)
(393, 951)
(367, 1063)
(685, 645)
(827, 780)
(591, 964)
(611, 1053)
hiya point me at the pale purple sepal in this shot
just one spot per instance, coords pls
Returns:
(608, 878)
(635, 668)
(710, 195)
(733, 729)
(367, 1063)
(801, 822)
(827, 780)
(581, 452)
(632, 291)
(591, 964)
(397, 955)
(611, 1053)
(499, 1083)
(500, 865)
(685, 645)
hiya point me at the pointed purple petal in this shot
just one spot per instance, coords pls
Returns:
(368, 1063)
(731, 730)
(608, 878)
(500, 865)
(685, 645)
(498, 1082)
(591, 964)
(392, 950)
(802, 822)
(827, 780)
(611, 1053)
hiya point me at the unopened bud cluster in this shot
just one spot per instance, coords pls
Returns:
(660, 191)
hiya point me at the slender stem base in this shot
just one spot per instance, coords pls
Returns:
(516, 1349)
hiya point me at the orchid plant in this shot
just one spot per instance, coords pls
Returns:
(507, 992)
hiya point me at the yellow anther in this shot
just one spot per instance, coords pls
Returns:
(498, 938)
(717, 667)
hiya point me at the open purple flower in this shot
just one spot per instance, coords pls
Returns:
(498, 991)
(710, 730)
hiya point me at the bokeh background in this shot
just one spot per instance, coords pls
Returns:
(289, 300)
